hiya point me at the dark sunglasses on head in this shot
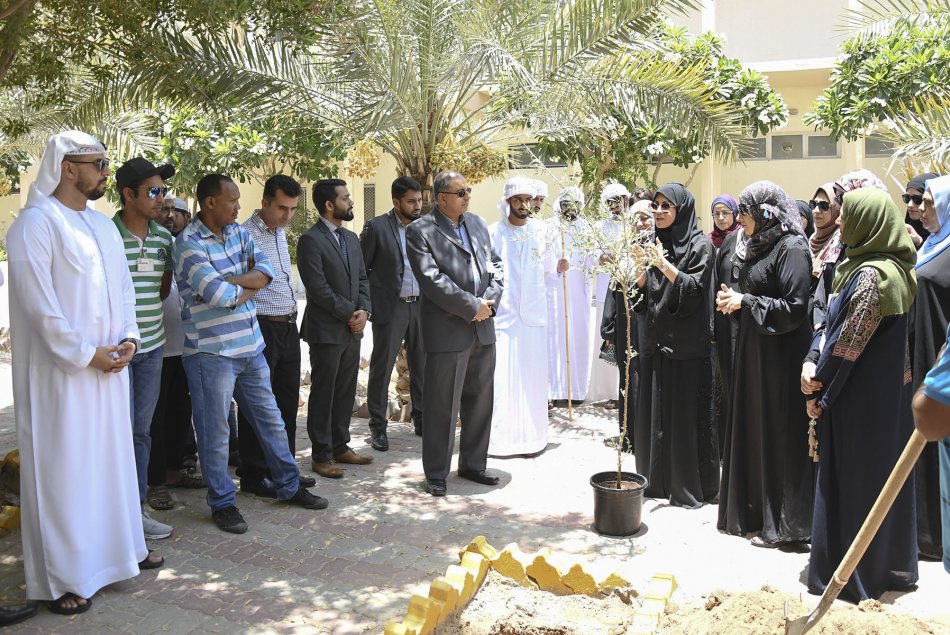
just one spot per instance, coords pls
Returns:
(155, 190)
(461, 193)
(746, 210)
(101, 164)
(665, 206)
(917, 198)
(823, 206)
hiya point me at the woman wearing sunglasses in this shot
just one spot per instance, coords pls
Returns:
(930, 317)
(826, 249)
(913, 198)
(674, 439)
(767, 420)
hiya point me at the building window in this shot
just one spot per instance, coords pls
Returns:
(755, 150)
(822, 147)
(369, 201)
(877, 147)
(527, 156)
(786, 147)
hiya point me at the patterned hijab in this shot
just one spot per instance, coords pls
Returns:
(717, 235)
(677, 238)
(873, 230)
(775, 214)
(825, 235)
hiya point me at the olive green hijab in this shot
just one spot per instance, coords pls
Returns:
(873, 230)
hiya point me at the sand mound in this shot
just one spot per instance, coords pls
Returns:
(502, 607)
(761, 613)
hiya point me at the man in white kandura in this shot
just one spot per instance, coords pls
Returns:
(569, 223)
(72, 315)
(520, 416)
(604, 381)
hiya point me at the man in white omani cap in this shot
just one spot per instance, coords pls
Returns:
(569, 223)
(604, 382)
(520, 415)
(72, 316)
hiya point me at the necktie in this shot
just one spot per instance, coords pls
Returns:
(339, 236)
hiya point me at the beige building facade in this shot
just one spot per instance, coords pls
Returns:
(793, 43)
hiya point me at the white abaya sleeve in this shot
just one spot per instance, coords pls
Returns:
(29, 243)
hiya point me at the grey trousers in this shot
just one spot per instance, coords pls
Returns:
(458, 385)
(333, 370)
(403, 326)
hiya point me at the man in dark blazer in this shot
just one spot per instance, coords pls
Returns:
(331, 267)
(395, 294)
(461, 279)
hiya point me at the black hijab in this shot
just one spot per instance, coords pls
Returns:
(805, 210)
(678, 237)
(919, 183)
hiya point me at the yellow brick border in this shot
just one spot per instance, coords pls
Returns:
(453, 591)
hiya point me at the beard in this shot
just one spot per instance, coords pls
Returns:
(522, 213)
(343, 214)
(92, 190)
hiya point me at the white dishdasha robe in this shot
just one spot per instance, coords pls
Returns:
(70, 291)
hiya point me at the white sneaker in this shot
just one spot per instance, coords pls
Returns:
(155, 530)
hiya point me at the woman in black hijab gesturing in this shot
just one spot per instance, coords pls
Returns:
(674, 438)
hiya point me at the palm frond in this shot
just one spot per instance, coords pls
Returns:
(876, 18)
(921, 135)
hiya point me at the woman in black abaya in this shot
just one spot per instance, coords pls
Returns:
(767, 475)
(674, 438)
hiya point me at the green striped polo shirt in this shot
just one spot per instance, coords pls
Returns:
(148, 262)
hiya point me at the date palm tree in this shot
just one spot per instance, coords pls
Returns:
(432, 81)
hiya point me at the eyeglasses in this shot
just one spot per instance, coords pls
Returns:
(823, 206)
(613, 201)
(917, 198)
(460, 193)
(722, 213)
(101, 164)
(155, 190)
(665, 206)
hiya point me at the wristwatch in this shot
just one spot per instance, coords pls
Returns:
(133, 341)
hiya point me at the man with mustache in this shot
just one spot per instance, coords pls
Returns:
(141, 188)
(338, 306)
(72, 315)
(219, 269)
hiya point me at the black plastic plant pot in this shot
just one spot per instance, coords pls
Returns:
(617, 511)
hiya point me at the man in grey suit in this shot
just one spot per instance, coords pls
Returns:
(395, 294)
(461, 278)
(331, 268)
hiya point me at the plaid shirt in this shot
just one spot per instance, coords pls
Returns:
(216, 324)
(278, 297)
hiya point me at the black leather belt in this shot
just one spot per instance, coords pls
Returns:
(409, 298)
(290, 317)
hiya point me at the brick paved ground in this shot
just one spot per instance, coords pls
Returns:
(351, 567)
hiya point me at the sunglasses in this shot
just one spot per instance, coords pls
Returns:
(917, 198)
(823, 206)
(155, 190)
(665, 206)
(461, 193)
(101, 164)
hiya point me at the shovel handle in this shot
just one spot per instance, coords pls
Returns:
(915, 445)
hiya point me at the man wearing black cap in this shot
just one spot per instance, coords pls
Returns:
(141, 188)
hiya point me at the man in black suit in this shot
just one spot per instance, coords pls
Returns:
(331, 268)
(395, 294)
(461, 278)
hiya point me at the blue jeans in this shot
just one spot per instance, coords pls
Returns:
(943, 446)
(145, 384)
(212, 380)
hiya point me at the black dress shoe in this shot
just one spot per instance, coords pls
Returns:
(434, 487)
(482, 477)
(259, 488)
(307, 481)
(418, 431)
(16, 614)
(380, 441)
